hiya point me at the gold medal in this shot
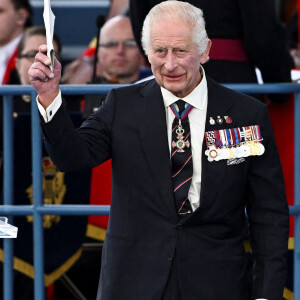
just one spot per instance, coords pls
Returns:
(213, 153)
(251, 147)
(231, 153)
(256, 149)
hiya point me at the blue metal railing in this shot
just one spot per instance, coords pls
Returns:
(38, 209)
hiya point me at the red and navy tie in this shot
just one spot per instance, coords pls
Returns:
(181, 157)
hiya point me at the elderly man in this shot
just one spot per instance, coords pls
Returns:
(119, 59)
(183, 172)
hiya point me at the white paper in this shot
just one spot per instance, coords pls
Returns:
(49, 19)
(7, 230)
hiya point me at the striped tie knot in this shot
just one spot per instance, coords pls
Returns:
(181, 106)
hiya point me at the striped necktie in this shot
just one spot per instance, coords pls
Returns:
(181, 157)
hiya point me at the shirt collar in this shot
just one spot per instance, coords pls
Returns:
(197, 98)
(8, 50)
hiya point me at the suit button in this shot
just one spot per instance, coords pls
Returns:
(169, 256)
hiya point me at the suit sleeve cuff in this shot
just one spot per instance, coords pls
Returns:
(49, 113)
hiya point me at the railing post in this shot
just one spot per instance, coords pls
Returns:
(8, 178)
(297, 199)
(38, 233)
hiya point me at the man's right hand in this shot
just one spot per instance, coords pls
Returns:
(45, 81)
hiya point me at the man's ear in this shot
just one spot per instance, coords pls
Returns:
(204, 56)
(22, 16)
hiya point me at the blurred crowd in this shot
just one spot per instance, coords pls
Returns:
(246, 36)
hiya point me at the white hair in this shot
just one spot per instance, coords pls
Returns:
(176, 10)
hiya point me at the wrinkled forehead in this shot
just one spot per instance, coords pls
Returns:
(171, 31)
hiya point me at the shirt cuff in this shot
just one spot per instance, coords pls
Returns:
(49, 113)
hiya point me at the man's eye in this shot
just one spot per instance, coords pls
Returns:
(160, 50)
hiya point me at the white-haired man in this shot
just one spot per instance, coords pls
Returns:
(183, 173)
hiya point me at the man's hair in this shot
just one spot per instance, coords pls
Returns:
(26, 5)
(176, 10)
(37, 30)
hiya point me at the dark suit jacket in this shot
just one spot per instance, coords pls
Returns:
(253, 22)
(144, 231)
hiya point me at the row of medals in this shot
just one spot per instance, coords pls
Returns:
(251, 148)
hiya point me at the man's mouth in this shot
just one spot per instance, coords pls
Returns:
(173, 77)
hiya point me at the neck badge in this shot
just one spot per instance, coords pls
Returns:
(182, 141)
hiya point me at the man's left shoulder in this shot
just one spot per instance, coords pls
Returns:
(232, 96)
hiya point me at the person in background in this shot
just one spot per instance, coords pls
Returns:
(179, 196)
(28, 48)
(120, 60)
(26, 51)
(15, 17)
(81, 70)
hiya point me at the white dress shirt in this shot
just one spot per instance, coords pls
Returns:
(197, 116)
(6, 53)
(49, 113)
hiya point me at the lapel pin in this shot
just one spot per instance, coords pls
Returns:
(219, 120)
(212, 121)
(228, 119)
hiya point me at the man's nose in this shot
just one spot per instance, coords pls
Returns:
(171, 62)
(120, 47)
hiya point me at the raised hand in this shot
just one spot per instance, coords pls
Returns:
(45, 81)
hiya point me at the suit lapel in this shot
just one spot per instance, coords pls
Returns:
(213, 172)
(151, 121)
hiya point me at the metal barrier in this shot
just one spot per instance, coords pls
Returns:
(38, 209)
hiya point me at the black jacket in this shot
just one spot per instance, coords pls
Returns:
(144, 231)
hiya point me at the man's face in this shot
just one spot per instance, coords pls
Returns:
(26, 59)
(10, 22)
(174, 57)
(118, 54)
